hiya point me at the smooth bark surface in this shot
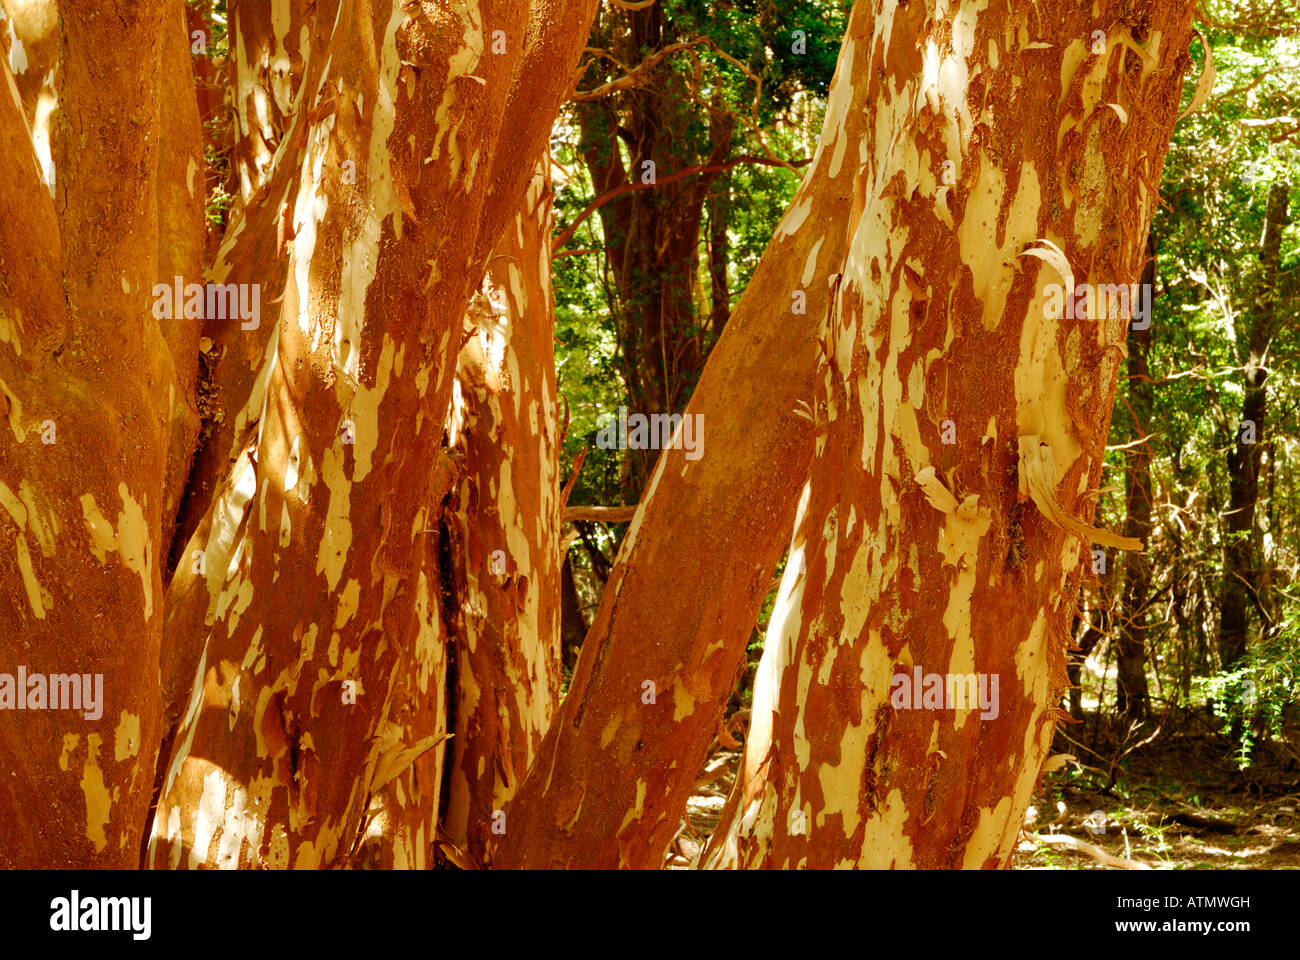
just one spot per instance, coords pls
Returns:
(304, 709)
(84, 462)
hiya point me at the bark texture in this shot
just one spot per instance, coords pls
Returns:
(614, 771)
(912, 554)
(311, 714)
(89, 463)
(503, 524)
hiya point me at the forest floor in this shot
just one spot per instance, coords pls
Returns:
(1175, 804)
(1181, 804)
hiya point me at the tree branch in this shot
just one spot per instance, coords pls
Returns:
(567, 233)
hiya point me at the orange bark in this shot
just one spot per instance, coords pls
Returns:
(83, 462)
(304, 710)
(613, 773)
(961, 422)
(503, 524)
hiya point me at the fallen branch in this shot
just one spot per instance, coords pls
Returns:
(1092, 850)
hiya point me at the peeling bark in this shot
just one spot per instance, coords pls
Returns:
(613, 774)
(504, 525)
(955, 558)
(269, 48)
(273, 764)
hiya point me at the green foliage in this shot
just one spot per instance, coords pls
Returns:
(1223, 161)
(1253, 697)
(773, 97)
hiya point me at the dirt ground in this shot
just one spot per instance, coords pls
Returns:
(1180, 804)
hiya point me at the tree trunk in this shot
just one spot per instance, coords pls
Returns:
(1100, 617)
(305, 709)
(573, 624)
(719, 248)
(614, 771)
(504, 523)
(94, 462)
(268, 53)
(1240, 553)
(1130, 650)
(914, 556)
(652, 235)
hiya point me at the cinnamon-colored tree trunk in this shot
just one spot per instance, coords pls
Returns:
(304, 710)
(907, 696)
(614, 771)
(503, 526)
(92, 459)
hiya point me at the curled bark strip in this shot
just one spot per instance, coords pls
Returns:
(1038, 468)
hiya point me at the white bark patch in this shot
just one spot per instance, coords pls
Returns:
(211, 813)
(126, 737)
(291, 467)
(810, 265)
(10, 328)
(884, 845)
(309, 211)
(1041, 380)
(279, 66)
(130, 539)
(221, 552)
(837, 108)
(15, 413)
(364, 411)
(98, 801)
(987, 838)
(36, 595)
(793, 219)
(17, 52)
(46, 104)
(337, 537)
(990, 265)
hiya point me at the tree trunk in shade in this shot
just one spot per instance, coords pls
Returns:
(1241, 548)
(1130, 650)
(503, 521)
